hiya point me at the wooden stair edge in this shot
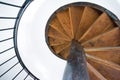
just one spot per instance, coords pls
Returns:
(103, 15)
(95, 72)
(104, 62)
(100, 35)
(101, 49)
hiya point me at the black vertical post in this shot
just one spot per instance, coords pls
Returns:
(76, 68)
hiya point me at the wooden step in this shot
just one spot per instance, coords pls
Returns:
(108, 69)
(55, 42)
(108, 53)
(56, 35)
(108, 28)
(60, 32)
(107, 39)
(94, 74)
(99, 26)
(64, 19)
(60, 48)
(89, 16)
(56, 25)
(75, 13)
(65, 53)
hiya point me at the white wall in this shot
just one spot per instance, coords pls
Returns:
(31, 36)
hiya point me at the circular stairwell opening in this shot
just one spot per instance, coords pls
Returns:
(95, 28)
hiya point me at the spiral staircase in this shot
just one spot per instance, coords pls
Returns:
(94, 27)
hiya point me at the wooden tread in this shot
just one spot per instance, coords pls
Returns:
(98, 27)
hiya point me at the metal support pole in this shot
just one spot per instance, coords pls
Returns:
(76, 68)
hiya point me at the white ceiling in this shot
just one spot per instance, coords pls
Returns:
(31, 36)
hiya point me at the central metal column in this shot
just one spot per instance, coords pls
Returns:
(76, 68)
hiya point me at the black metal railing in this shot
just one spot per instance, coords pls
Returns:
(9, 57)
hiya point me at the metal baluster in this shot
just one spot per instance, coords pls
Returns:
(18, 74)
(26, 76)
(10, 4)
(6, 50)
(6, 39)
(6, 29)
(7, 60)
(9, 69)
(8, 17)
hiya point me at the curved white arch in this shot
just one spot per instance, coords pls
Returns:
(31, 36)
